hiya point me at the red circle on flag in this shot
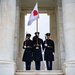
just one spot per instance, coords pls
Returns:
(35, 12)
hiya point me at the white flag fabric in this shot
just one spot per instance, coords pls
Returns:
(34, 14)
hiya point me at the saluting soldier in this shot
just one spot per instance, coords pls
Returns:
(28, 53)
(37, 52)
(49, 51)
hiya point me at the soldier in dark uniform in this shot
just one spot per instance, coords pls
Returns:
(49, 51)
(37, 52)
(28, 53)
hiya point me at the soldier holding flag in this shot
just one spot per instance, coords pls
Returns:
(37, 52)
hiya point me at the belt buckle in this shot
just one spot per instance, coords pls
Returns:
(37, 47)
(48, 46)
(28, 46)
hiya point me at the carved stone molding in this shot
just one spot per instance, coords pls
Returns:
(41, 10)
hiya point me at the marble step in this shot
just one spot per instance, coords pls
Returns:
(41, 72)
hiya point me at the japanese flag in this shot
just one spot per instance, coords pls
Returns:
(34, 14)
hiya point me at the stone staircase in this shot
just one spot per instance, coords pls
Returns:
(42, 72)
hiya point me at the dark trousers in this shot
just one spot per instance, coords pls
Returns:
(49, 65)
(37, 65)
(28, 65)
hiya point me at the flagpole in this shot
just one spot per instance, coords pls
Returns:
(36, 22)
(37, 25)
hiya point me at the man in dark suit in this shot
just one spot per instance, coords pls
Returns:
(28, 53)
(37, 53)
(49, 51)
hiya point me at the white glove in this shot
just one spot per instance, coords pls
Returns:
(45, 44)
(53, 53)
(24, 46)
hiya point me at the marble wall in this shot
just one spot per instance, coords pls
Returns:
(16, 35)
(60, 34)
(20, 64)
(53, 30)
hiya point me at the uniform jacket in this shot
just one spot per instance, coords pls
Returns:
(37, 53)
(28, 53)
(49, 49)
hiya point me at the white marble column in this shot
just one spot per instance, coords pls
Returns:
(16, 43)
(7, 28)
(20, 64)
(53, 31)
(69, 35)
(61, 49)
